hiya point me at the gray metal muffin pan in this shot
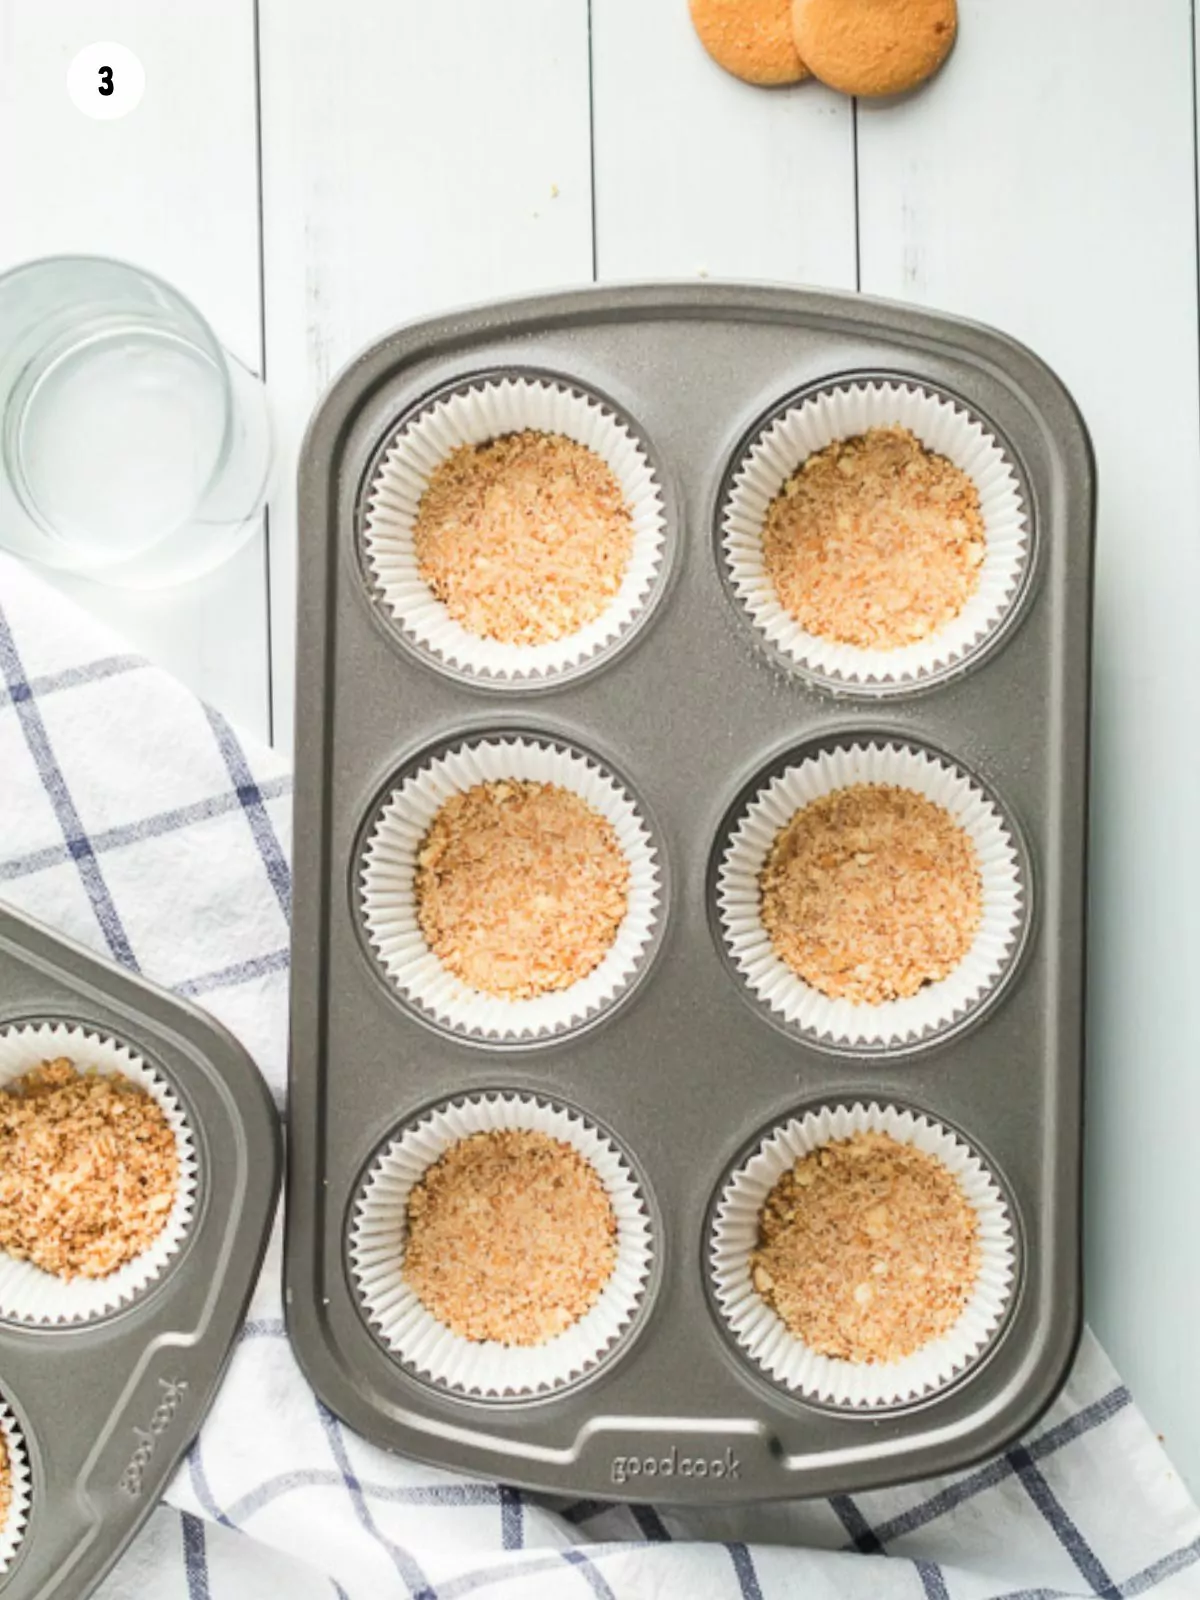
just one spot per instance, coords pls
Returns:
(688, 1073)
(108, 1408)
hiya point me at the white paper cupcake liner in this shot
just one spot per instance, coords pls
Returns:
(12, 1528)
(488, 410)
(486, 1368)
(763, 1335)
(942, 426)
(27, 1293)
(892, 1024)
(389, 903)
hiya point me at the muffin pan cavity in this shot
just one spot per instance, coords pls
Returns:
(580, 623)
(490, 1368)
(104, 1381)
(998, 576)
(583, 797)
(763, 1337)
(1000, 908)
(723, 1011)
(28, 1291)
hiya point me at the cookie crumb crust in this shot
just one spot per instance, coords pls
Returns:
(511, 1236)
(521, 887)
(526, 538)
(871, 892)
(875, 541)
(89, 1170)
(867, 1249)
(5, 1482)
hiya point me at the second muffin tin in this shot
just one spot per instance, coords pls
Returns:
(104, 1408)
(693, 711)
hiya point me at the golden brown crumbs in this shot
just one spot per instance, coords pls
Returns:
(871, 892)
(88, 1170)
(875, 541)
(521, 887)
(525, 539)
(5, 1482)
(867, 1248)
(511, 1237)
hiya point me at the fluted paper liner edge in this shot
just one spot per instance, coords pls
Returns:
(486, 1368)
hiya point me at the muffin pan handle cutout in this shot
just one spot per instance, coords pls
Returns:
(687, 1074)
(106, 1408)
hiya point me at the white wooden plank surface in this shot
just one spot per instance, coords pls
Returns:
(1045, 183)
(415, 157)
(173, 186)
(698, 173)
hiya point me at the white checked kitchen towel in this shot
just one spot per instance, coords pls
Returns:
(139, 823)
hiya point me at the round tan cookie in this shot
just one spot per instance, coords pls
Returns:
(750, 38)
(874, 47)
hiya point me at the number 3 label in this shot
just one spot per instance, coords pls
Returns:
(106, 80)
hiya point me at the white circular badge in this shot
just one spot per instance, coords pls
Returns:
(106, 80)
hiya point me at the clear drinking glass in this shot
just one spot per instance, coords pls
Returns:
(134, 449)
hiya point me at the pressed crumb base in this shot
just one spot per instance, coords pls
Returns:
(868, 1249)
(88, 1170)
(875, 541)
(521, 887)
(871, 892)
(525, 539)
(511, 1237)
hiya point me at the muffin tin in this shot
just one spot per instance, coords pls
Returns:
(105, 1407)
(693, 712)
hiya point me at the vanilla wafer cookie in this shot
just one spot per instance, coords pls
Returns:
(752, 39)
(874, 47)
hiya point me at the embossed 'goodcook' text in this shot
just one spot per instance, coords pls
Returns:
(673, 1465)
(172, 1392)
